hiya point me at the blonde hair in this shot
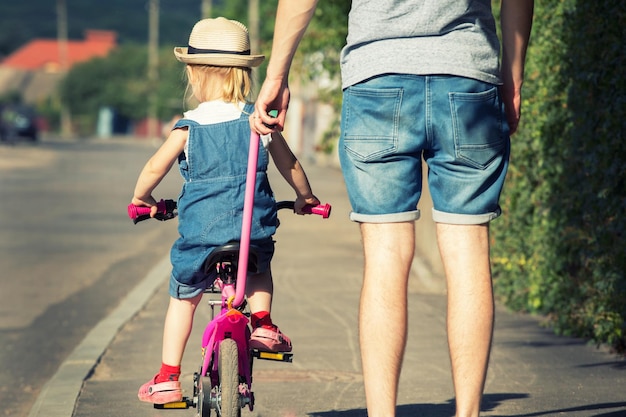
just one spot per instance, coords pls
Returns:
(208, 82)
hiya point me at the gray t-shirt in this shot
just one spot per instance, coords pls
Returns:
(422, 37)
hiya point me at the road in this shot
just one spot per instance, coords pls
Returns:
(68, 253)
(69, 256)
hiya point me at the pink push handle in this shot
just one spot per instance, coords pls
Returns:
(244, 244)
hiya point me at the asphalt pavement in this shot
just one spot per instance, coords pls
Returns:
(317, 271)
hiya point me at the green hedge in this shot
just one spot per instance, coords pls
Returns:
(559, 250)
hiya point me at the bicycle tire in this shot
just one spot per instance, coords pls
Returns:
(228, 371)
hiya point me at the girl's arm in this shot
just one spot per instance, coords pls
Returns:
(291, 170)
(157, 167)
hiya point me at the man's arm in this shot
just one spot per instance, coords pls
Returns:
(292, 20)
(516, 18)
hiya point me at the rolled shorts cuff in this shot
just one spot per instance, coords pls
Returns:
(182, 291)
(407, 216)
(465, 219)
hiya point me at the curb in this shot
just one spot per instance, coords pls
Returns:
(58, 396)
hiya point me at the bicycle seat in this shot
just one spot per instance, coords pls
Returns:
(230, 253)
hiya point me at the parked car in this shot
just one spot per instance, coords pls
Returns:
(18, 121)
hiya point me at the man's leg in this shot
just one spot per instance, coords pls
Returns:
(465, 254)
(388, 250)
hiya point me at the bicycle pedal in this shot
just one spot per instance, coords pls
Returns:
(271, 356)
(184, 404)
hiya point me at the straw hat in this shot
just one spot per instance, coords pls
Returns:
(219, 42)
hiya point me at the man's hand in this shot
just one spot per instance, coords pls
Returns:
(512, 99)
(274, 95)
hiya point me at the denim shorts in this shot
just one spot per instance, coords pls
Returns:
(200, 281)
(457, 125)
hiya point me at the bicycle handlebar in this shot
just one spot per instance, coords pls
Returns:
(166, 210)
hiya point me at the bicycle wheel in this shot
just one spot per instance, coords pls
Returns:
(228, 370)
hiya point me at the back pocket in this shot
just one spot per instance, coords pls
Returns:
(370, 121)
(477, 122)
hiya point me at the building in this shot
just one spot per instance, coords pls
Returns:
(35, 69)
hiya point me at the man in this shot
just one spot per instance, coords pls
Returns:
(421, 79)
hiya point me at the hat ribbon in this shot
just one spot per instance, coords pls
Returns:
(192, 50)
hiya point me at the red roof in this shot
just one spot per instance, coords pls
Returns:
(45, 53)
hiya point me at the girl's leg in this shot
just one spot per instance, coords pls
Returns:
(178, 324)
(259, 290)
(265, 335)
(165, 387)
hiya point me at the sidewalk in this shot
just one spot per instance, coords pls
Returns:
(317, 270)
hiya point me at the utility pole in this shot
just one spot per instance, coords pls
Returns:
(253, 29)
(66, 123)
(153, 70)
(206, 9)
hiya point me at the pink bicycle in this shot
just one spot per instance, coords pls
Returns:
(224, 379)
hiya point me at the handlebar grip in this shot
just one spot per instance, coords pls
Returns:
(165, 211)
(321, 209)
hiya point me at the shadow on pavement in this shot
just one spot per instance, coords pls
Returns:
(490, 403)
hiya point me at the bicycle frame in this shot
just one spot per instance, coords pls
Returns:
(230, 323)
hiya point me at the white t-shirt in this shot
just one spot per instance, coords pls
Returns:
(218, 111)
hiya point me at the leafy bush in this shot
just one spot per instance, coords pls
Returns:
(119, 81)
(559, 250)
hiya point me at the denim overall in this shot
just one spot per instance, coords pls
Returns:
(210, 206)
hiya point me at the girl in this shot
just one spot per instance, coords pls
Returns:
(211, 145)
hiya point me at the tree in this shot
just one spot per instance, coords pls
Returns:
(119, 81)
